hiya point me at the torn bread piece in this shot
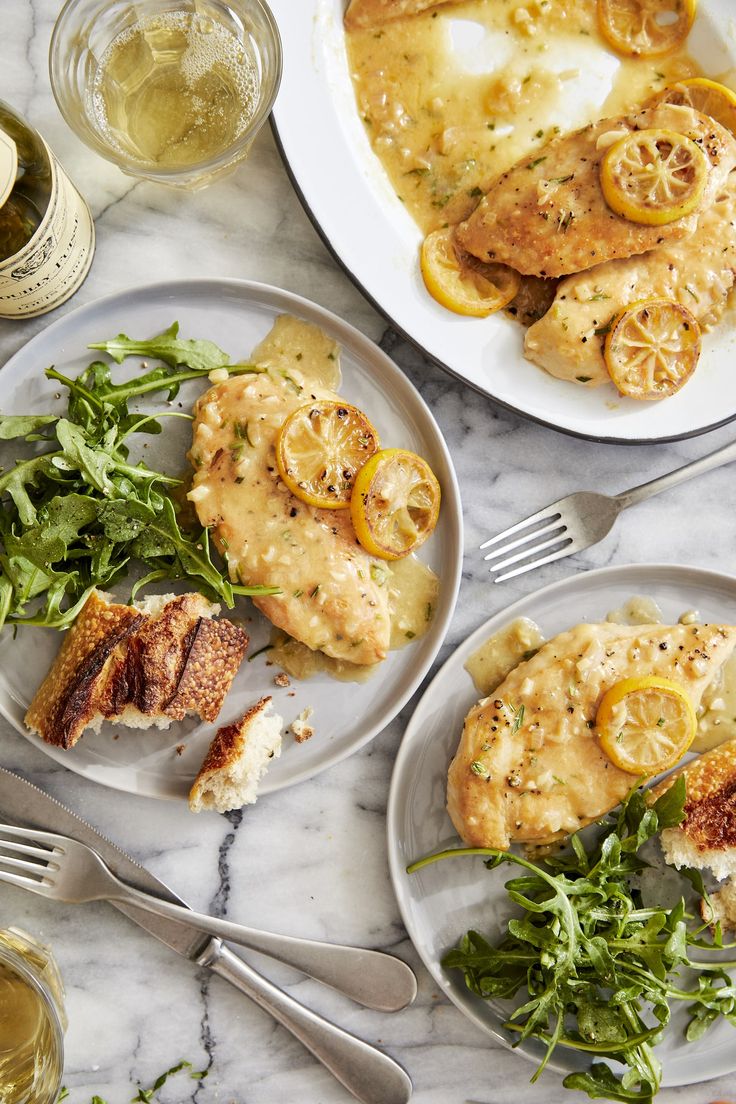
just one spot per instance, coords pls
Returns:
(720, 908)
(706, 838)
(140, 666)
(300, 726)
(237, 759)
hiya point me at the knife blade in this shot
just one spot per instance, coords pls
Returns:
(30, 807)
(365, 1071)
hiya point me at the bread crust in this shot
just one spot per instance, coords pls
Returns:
(710, 803)
(236, 760)
(67, 699)
(227, 745)
(125, 665)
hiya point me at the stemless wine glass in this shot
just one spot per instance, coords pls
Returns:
(32, 1021)
(169, 90)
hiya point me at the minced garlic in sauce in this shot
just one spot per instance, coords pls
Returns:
(453, 96)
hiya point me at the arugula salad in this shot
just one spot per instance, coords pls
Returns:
(77, 513)
(595, 969)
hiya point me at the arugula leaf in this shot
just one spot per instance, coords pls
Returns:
(76, 516)
(169, 347)
(670, 807)
(125, 520)
(595, 970)
(25, 477)
(93, 464)
(13, 426)
(601, 1084)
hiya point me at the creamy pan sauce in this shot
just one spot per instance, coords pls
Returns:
(498, 656)
(453, 96)
(334, 598)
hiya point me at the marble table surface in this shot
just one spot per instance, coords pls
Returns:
(311, 859)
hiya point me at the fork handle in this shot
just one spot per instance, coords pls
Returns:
(371, 978)
(369, 1074)
(715, 459)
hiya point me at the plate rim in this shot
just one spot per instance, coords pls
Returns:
(394, 811)
(385, 312)
(366, 347)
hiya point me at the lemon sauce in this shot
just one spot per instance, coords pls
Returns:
(453, 96)
(497, 657)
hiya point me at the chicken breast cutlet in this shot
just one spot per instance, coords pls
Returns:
(529, 767)
(547, 215)
(698, 272)
(329, 599)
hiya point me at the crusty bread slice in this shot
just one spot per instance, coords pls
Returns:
(139, 666)
(706, 838)
(237, 759)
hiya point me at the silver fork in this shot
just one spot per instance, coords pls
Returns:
(580, 520)
(66, 870)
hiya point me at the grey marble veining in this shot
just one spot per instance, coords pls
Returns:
(312, 859)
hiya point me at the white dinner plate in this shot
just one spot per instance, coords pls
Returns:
(236, 314)
(353, 205)
(442, 901)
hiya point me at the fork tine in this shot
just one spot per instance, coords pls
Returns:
(558, 527)
(22, 864)
(541, 515)
(24, 883)
(525, 553)
(49, 839)
(25, 849)
(566, 550)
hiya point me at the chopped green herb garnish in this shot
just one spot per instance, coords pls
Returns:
(146, 1095)
(241, 432)
(583, 379)
(537, 161)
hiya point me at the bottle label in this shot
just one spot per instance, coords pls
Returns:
(54, 263)
(8, 165)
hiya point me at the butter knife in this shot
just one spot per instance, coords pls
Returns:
(369, 1074)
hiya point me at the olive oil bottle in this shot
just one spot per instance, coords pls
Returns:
(46, 231)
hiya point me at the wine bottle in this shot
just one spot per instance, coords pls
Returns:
(47, 236)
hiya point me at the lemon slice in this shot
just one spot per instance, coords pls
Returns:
(460, 282)
(645, 28)
(319, 449)
(703, 95)
(645, 725)
(652, 349)
(395, 503)
(654, 176)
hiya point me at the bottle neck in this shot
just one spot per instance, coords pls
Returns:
(8, 165)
